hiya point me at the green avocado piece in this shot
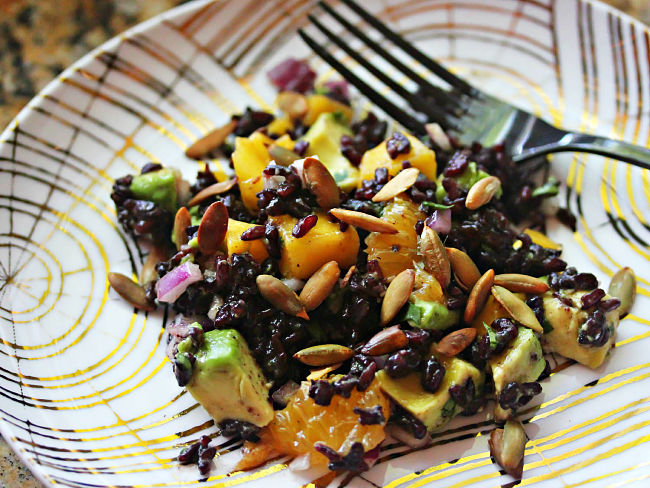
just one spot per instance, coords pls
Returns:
(324, 138)
(432, 409)
(522, 361)
(227, 381)
(158, 187)
(566, 321)
(470, 176)
(431, 315)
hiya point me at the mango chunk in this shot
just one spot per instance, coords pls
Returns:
(302, 257)
(321, 104)
(250, 157)
(233, 244)
(420, 157)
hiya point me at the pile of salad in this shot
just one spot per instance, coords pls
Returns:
(347, 281)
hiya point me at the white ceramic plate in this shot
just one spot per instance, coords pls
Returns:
(87, 397)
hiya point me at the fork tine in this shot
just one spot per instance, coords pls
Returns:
(431, 111)
(422, 58)
(387, 106)
(436, 92)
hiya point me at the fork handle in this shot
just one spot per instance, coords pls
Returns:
(603, 146)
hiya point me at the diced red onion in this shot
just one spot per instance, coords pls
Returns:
(372, 456)
(298, 165)
(292, 75)
(338, 86)
(440, 221)
(174, 283)
(272, 182)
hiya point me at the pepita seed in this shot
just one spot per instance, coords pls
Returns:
(130, 291)
(623, 287)
(397, 294)
(211, 141)
(293, 104)
(402, 182)
(282, 155)
(478, 296)
(438, 135)
(455, 342)
(324, 355)
(482, 192)
(320, 285)
(465, 271)
(507, 447)
(148, 272)
(211, 191)
(516, 308)
(435, 256)
(364, 221)
(321, 183)
(520, 283)
(182, 220)
(385, 342)
(213, 228)
(280, 296)
(346, 278)
(316, 374)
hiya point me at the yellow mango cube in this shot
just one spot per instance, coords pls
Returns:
(321, 104)
(250, 157)
(302, 257)
(420, 157)
(233, 244)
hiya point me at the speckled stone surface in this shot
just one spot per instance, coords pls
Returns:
(39, 38)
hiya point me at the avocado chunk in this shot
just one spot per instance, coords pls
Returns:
(227, 381)
(324, 138)
(566, 322)
(466, 179)
(158, 187)
(521, 362)
(434, 410)
(430, 315)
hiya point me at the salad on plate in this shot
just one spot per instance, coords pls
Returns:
(342, 282)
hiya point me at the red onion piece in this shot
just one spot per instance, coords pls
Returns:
(440, 221)
(292, 75)
(340, 87)
(371, 456)
(174, 283)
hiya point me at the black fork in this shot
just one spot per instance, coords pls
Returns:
(460, 109)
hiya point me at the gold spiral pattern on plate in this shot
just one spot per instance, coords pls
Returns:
(145, 441)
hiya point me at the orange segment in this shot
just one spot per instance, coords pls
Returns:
(396, 252)
(296, 429)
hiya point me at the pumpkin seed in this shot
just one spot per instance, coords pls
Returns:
(324, 355)
(516, 308)
(293, 104)
(211, 141)
(282, 155)
(520, 283)
(385, 342)
(320, 285)
(213, 228)
(397, 294)
(438, 135)
(482, 192)
(181, 222)
(507, 447)
(148, 272)
(211, 191)
(455, 342)
(281, 296)
(130, 291)
(321, 183)
(623, 287)
(465, 271)
(364, 221)
(402, 182)
(346, 278)
(435, 256)
(316, 374)
(478, 295)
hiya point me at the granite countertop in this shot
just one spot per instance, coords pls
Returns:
(39, 38)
